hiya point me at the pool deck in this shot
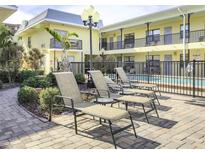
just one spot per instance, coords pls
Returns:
(181, 125)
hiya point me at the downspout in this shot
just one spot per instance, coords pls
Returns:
(184, 37)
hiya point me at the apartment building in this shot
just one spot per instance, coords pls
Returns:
(157, 36)
(34, 35)
(154, 37)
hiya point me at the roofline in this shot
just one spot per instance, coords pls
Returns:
(145, 15)
(125, 23)
(56, 21)
(11, 7)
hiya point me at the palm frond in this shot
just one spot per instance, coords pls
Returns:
(72, 34)
(55, 34)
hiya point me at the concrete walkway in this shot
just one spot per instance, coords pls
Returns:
(181, 125)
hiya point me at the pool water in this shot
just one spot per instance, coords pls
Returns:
(174, 80)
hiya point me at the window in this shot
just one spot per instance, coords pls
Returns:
(76, 44)
(153, 35)
(196, 57)
(104, 43)
(186, 30)
(129, 59)
(181, 60)
(62, 33)
(153, 64)
(129, 40)
(29, 42)
(111, 43)
(129, 63)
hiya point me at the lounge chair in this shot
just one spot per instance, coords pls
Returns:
(114, 87)
(134, 83)
(101, 87)
(72, 99)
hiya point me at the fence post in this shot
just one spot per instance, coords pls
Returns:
(148, 70)
(194, 71)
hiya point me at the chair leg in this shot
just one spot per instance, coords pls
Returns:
(145, 114)
(155, 109)
(75, 121)
(50, 112)
(110, 125)
(133, 126)
(126, 106)
(155, 96)
(159, 91)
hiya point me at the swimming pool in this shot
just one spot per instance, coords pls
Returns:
(165, 79)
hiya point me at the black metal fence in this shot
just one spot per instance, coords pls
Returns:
(178, 77)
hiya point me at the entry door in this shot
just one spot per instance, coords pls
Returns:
(111, 43)
(119, 42)
(168, 35)
(168, 65)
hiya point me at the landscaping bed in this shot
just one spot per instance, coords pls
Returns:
(36, 94)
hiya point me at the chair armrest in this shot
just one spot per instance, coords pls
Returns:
(51, 104)
(88, 93)
(65, 97)
(108, 92)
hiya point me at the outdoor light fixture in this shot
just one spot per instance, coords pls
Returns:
(90, 18)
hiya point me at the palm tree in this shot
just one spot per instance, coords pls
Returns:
(66, 45)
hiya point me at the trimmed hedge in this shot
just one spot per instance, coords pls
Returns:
(27, 95)
(36, 82)
(1, 84)
(51, 79)
(47, 98)
(80, 78)
(25, 74)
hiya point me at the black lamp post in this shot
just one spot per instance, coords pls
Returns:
(90, 18)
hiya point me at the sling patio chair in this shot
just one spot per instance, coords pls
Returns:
(134, 83)
(71, 96)
(102, 90)
(114, 87)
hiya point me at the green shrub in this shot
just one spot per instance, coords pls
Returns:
(1, 84)
(47, 98)
(36, 82)
(27, 95)
(25, 74)
(40, 72)
(80, 78)
(4, 76)
(51, 79)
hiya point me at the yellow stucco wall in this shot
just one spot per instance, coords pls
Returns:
(40, 39)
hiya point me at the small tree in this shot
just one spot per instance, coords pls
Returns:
(10, 53)
(66, 45)
(34, 58)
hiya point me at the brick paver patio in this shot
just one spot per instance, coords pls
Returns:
(181, 125)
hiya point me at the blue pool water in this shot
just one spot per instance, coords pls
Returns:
(174, 80)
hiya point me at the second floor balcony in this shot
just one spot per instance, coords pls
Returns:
(154, 40)
(75, 44)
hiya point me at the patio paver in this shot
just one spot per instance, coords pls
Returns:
(181, 125)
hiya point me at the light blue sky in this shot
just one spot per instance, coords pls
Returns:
(109, 13)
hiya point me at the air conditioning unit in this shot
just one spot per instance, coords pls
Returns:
(43, 45)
